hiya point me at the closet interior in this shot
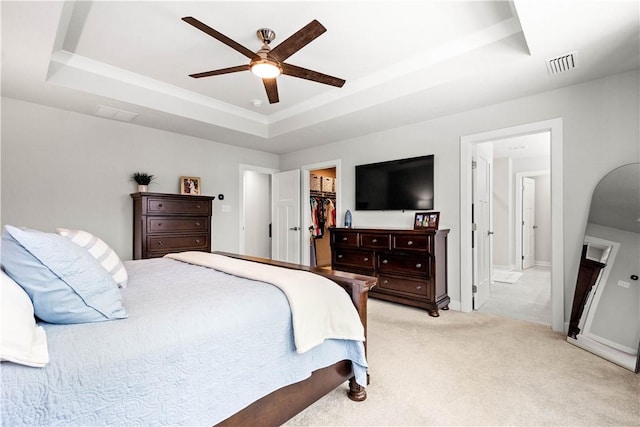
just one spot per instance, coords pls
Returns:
(322, 202)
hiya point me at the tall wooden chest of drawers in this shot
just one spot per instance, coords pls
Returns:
(165, 223)
(411, 265)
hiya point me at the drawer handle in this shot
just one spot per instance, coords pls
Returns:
(197, 240)
(410, 242)
(344, 239)
(384, 261)
(339, 256)
(418, 287)
(159, 205)
(366, 258)
(159, 242)
(197, 206)
(385, 281)
(197, 224)
(374, 241)
(159, 224)
(418, 265)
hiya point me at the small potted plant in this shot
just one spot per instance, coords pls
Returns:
(143, 179)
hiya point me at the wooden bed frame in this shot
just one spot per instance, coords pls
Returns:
(283, 404)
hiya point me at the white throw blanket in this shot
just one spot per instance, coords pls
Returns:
(320, 308)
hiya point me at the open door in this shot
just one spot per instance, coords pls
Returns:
(528, 222)
(481, 178)
(286, 233)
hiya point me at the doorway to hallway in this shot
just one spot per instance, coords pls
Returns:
(554, 127)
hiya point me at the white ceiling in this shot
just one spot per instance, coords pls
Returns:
(403, 61)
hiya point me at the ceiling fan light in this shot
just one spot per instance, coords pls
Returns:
(265, 69)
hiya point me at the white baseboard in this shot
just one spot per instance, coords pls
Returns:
(542, 263)
(454, 305)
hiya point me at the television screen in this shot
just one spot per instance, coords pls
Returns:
(405, 184)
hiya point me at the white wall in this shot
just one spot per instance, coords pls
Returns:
(502, 213)
(64, 169)
(600, 123)
(257, 216)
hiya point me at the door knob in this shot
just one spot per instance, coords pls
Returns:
(489, 233)
(294, 228)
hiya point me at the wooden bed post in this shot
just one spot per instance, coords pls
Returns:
(357, 286)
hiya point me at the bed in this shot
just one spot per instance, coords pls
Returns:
(197, 346)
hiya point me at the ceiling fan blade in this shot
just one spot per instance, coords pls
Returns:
(297, 41)
(220, 71)
(220, 37)
(303, 73)
(271, 87)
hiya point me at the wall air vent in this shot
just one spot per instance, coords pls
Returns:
(562, 63)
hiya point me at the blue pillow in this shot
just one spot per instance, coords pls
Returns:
(65, 283)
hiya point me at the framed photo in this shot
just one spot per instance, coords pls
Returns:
(426, 220)
(190, 185)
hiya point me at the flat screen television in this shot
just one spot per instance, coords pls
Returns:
(405, 184)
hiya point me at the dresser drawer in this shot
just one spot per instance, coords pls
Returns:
(345, 240)
(160, 224)
(416, 287)
(177, 243)
(402, 264)
(374, 240)
(412, 242)
(353, 259)
(159, 206)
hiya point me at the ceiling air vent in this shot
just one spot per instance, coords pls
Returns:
(562, 63)
(115, 113)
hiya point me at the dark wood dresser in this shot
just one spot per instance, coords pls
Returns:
(411, 265)
(164, 223)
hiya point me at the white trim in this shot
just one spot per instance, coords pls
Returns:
(305, 259)
(557, 212)
(542, 263)
(241, 212)
(626, 360)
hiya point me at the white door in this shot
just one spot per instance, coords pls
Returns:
(481, 177)
(528, 222)
(285, 241)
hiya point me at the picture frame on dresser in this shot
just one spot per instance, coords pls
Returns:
(190, 185)
(426, 220)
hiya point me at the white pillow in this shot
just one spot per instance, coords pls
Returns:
(101, 252)
(21, 340)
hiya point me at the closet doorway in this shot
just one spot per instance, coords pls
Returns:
(320, 197)
(322, 205)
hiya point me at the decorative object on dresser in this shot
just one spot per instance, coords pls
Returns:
(164, 223)
(426, 220)
(411, 265)
(143, 180)
(190, 185)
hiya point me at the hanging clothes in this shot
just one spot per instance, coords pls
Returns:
(323, 215)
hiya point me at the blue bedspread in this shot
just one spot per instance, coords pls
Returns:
(198, 346)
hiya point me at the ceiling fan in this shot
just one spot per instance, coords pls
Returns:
(269, 63)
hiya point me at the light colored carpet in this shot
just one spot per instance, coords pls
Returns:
(477, 369)
(505, 276)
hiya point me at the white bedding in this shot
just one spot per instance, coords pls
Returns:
(320, 308)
